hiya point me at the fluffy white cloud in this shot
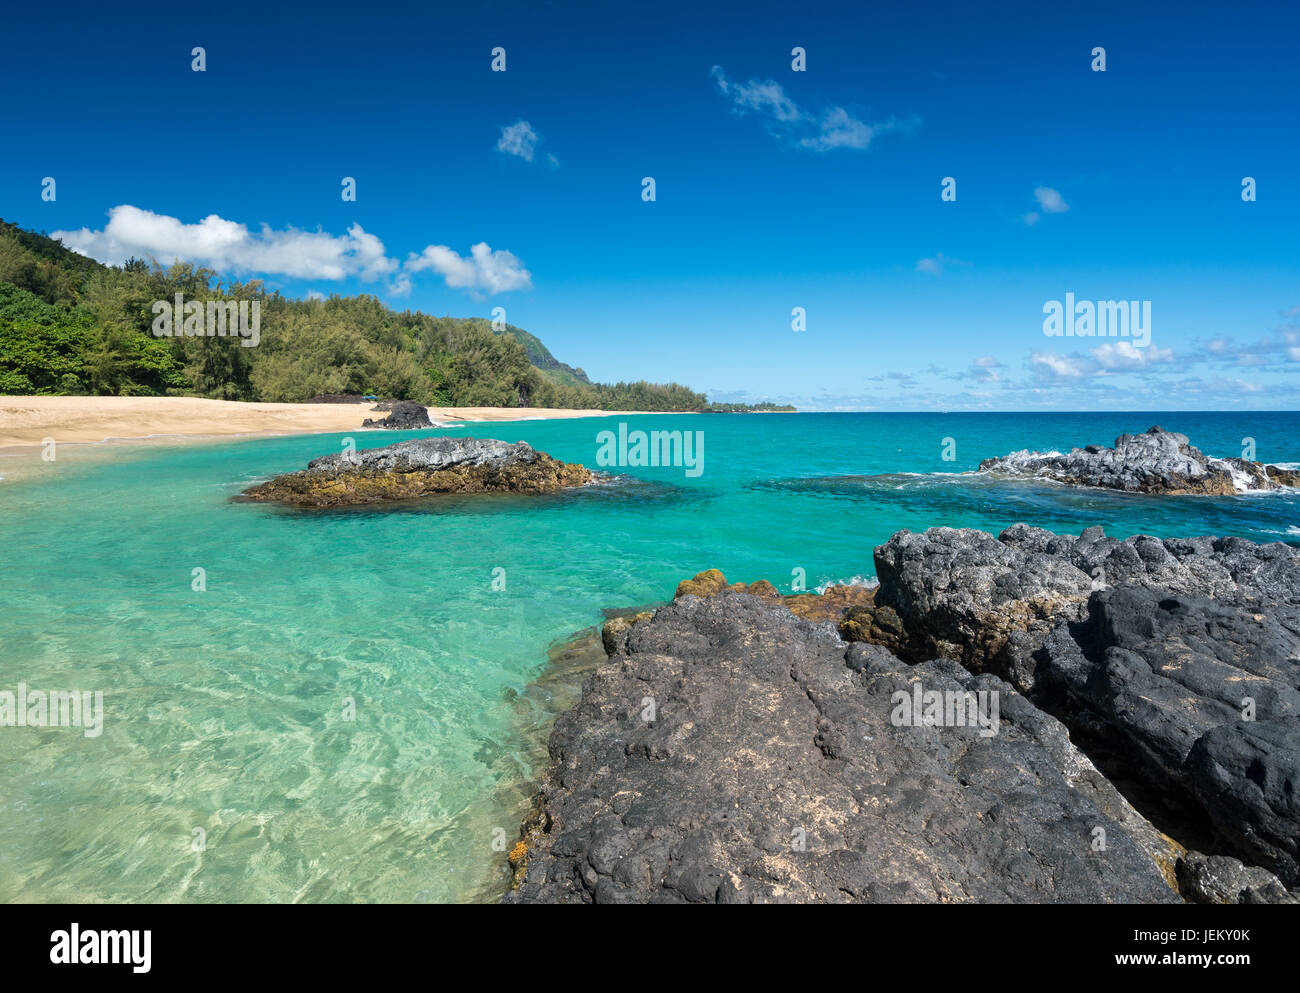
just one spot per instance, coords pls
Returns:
(482, 270)
(1059, 365)
(833, 127)
(228, 246)
(231, 247)
(521, 140)
(1123, 355)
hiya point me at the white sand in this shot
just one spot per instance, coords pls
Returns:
(26, 421)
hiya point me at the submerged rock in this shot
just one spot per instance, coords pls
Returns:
(1158, 461)
(419, 468)
(730, 751)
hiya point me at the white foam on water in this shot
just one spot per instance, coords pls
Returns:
(1241, 481)
(869, 582)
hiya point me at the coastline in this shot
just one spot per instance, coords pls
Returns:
(25, 421)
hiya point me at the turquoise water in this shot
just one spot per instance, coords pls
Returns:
(225, 707)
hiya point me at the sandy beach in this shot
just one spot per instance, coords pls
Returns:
(26, 421)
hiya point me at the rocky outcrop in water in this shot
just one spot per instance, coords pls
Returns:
(1203, 699)
(990, 602)
(1178, 659)
(419, 468)
(1158, 461)
(730, 751)
(404, 415)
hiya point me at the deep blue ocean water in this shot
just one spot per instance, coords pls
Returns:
(228, 769)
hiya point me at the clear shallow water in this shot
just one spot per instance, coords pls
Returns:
(224, 708)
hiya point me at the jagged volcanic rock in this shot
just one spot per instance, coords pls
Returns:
(419, 468)
(1152, 647)
(404, 415)
(1158, 461)
(989, 602)
(770, 771)
(1220, 879)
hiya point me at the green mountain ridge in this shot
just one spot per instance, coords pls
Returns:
(540, 356)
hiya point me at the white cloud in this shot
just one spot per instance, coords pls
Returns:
(482, 270)
(832, 127)
(937, 264)
(839, 130)
(521, 140)
(984, 369)
(1123, 355)
(228, 246)
(1050, 200)
(766, 97)
(1059, 365)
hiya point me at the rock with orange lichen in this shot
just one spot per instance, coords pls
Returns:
(420, 468)
(879, 625)
(706, 583)
(614, 632)
(831, 604)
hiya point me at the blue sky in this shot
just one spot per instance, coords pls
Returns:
(775, 189)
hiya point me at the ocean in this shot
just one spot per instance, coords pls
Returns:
(352, 705)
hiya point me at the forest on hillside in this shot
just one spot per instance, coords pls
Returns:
(71, 326)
